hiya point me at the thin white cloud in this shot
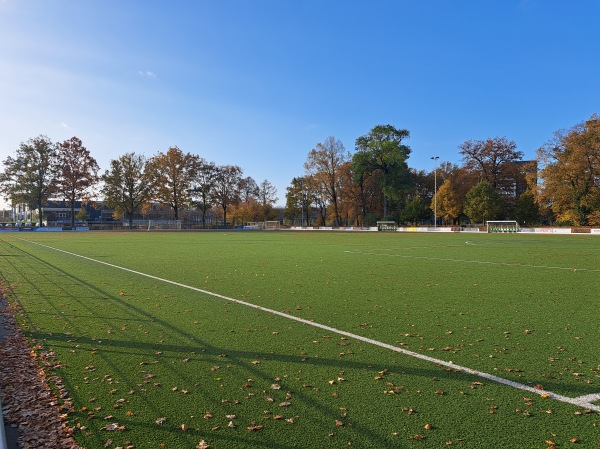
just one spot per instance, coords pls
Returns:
(147, 73)
(64, 125)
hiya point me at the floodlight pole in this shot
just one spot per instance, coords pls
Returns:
(435, 158)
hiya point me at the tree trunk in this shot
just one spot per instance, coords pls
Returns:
(385, 206)
(40, 215)
(72, 213)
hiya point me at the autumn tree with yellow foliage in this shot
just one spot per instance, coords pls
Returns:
(569, 182)
(449, 205)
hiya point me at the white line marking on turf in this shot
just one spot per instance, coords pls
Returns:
(581, 401)
(482, 262)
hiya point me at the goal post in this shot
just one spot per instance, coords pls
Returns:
(502, 226)
(272, 225)
(164, 225)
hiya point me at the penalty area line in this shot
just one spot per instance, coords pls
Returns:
(581, 401)
(480, 262)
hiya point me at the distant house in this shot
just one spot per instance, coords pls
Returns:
(58, 213)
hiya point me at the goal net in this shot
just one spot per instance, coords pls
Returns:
(387, 226)
(272, 225)
(164, 225)
(505, 226)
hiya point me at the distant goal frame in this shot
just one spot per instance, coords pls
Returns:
(164, 225)
(272, 225)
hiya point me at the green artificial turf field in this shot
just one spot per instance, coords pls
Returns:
(158, 364)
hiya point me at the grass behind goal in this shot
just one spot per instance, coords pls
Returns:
(520, 307)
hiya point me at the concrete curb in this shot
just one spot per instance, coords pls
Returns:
(3, 444)
(3, 437)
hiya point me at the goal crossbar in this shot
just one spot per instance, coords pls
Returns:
(162, 225)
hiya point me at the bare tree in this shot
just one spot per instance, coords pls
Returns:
(248, 189)
(493, 159)
(267, 193)
(226, 187)
(324, 162)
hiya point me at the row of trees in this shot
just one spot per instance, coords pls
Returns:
(42, 170)
(492, 182)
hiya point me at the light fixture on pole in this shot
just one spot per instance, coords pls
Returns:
(435, 158)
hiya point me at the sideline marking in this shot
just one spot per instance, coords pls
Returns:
(483, 262)
(581, 401)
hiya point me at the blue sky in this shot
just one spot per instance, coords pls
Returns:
(258, 83)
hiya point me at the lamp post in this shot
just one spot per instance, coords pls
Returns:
(435, 158)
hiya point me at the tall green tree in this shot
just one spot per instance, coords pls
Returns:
(203, 186)
(382, 150)
(172, 175)
(126, 185)
(527, 211)
(482, 203)
(30, 176)
(325, 162)
(78, 173)
(414, 210)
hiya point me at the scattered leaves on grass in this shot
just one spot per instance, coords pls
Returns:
(203, 445)
(114, 427)
(255, 428)
(160, 421)
(32, 403)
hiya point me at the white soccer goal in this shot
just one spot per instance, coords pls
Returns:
(272, 225)
(504, 226)
(164, 225)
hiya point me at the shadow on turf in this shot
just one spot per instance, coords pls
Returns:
(238, 357)
(241, 358)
